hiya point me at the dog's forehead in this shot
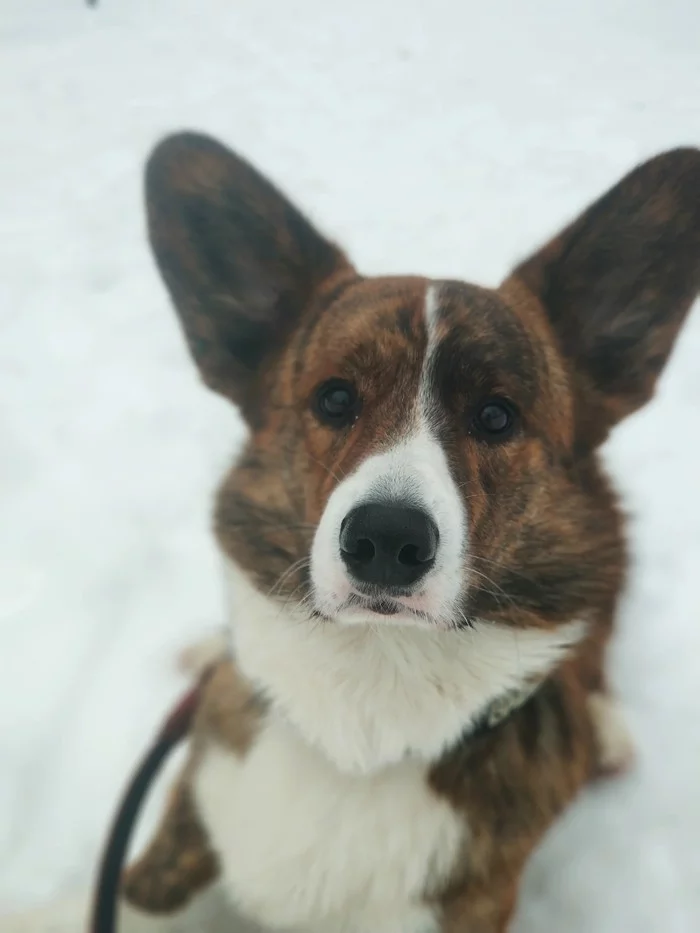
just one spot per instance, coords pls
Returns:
(383, 328)
(479, 313)
(369, 309)
(368, 329)
(479, 339)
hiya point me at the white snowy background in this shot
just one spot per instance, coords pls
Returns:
(438, 137)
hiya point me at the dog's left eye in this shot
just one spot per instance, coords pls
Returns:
(336, 403)
(494, 420)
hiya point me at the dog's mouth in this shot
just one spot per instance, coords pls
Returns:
(381, 604)
(359, 603)
(359, 609)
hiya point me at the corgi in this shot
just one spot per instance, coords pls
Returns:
(424, 552)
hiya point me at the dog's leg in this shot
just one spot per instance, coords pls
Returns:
(210, 912)
(177, 865)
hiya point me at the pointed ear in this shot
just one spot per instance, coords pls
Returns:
(241, 264)
(617, 283)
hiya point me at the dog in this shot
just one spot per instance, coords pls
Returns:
(425, 554)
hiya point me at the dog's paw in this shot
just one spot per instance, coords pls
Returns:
(616, 752)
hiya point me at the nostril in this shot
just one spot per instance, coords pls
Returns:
(363, 551)
(411, 555)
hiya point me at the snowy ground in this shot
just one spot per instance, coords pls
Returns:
(444, 138)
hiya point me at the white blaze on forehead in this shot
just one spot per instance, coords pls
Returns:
(426, 396)
(432, 307)
(413, 471)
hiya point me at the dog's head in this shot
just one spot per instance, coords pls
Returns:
(423, 452)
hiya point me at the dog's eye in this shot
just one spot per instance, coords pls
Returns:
(495, 420)
(336, 403)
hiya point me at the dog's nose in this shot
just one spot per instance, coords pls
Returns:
(388, 545)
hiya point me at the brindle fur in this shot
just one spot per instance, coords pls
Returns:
(576, 337)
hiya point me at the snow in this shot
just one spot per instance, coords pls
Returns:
(444, 138)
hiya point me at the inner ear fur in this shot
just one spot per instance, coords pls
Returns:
(240, 262)
(617, 284)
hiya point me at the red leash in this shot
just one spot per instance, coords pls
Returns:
(172, 732)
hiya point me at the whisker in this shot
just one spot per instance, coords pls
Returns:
(500, 566)
(297, 565)
(469, 623)
(328, 470)
(498, 590)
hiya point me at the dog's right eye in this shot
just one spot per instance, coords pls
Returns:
(336, 403)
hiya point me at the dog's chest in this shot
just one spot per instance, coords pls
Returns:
(305, 846)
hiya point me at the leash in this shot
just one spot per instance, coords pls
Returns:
(175, 728)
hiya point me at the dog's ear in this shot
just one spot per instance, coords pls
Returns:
(617, 283)
(240, 262)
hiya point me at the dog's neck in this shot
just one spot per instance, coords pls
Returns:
(369, 696)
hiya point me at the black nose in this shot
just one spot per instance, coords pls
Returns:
(388, 545)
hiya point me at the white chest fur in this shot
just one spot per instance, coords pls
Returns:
(308, 847)
(368, 695)
(327, 824)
